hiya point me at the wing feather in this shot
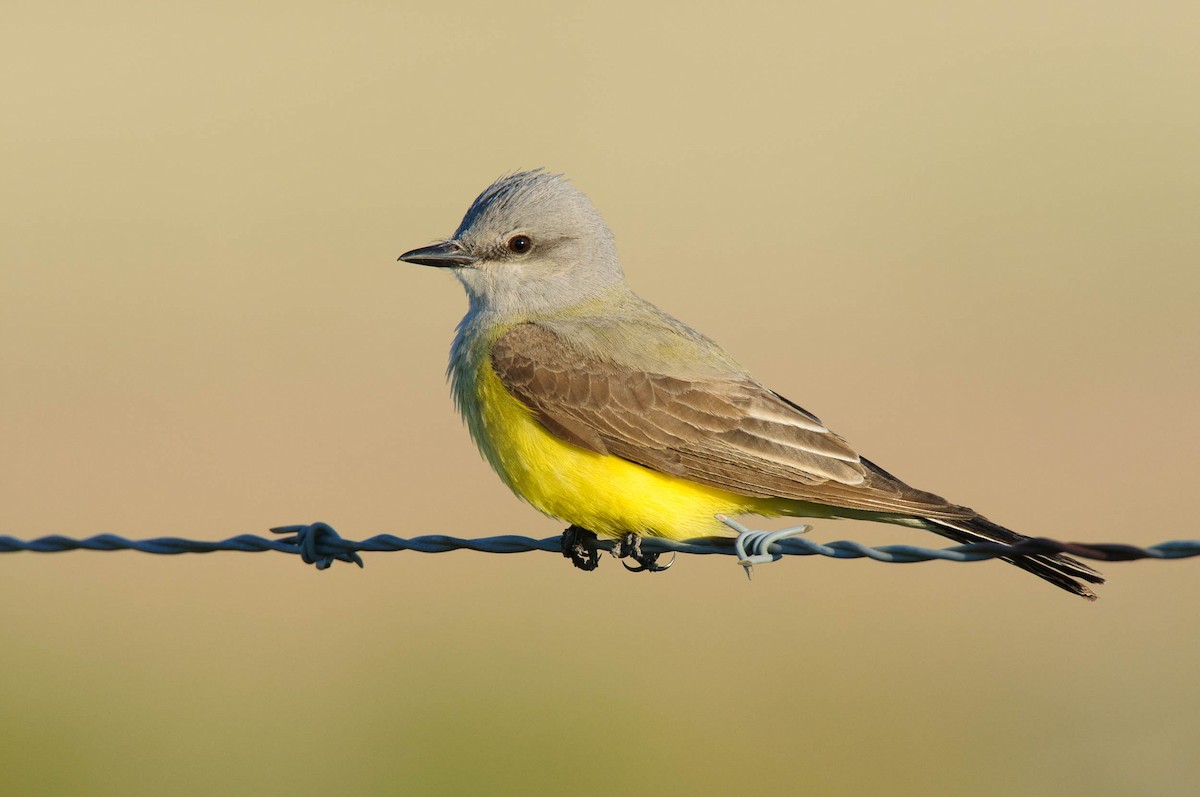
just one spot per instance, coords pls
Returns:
(727, 432)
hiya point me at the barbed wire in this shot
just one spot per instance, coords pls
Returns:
(320, 545)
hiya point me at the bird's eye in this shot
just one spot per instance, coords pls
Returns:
(519, 244)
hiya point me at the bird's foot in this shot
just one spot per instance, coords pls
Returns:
(579, 545)
(629, 546)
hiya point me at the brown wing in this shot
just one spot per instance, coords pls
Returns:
(730, 433)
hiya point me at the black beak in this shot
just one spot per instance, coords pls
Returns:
(444, 255)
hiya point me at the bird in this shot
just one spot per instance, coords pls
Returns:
(603, 411)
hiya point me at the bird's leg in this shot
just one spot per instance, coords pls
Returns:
(630, 547)
(579, 545)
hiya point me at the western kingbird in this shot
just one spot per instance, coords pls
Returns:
(603, 411)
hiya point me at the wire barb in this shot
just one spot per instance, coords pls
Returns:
(317, 544)
(759, 543)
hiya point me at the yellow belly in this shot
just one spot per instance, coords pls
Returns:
(599, 492)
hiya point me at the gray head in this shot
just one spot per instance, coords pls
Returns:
(530, 243)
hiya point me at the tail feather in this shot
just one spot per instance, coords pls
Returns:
(1060, 570)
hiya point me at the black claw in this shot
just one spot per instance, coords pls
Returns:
(630, 547)
(579, 545)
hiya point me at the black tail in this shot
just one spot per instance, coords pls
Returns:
(1061, 571)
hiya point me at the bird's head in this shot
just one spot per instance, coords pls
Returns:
(530, 243)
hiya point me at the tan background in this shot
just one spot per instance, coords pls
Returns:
(967, 239)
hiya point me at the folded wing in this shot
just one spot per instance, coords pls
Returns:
(726, 432)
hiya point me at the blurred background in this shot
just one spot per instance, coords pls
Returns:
(966, 238)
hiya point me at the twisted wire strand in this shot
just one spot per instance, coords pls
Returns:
(318, 544)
